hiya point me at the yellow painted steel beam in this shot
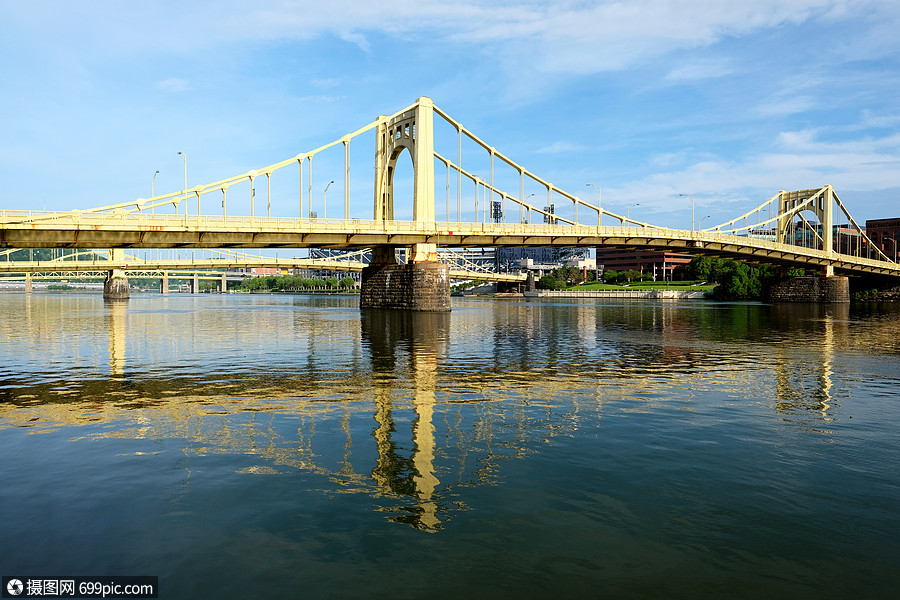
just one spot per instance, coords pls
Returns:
(20, 229)
(158, 268)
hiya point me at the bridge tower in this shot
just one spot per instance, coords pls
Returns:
(821, 206)
(423, 283)
(826, 287)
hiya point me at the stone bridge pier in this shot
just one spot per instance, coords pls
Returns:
(115, 286)
(414, 286)
(822, 289)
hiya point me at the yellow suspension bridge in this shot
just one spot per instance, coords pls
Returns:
(809, 228)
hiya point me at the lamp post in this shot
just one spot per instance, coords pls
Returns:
(599, 206)
(628, 212)
(153, 190)
(184, 156)
(700, 225)
(325, 198)
(527, 209)
(692, 207)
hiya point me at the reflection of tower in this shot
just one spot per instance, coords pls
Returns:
(424, 365)
(418, 335)
(116, 318)
(806, 385)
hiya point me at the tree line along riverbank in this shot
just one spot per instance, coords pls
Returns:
(721, 279)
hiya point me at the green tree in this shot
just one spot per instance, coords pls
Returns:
(737, 281)
(575, 276)
(631, 275)
(549, 282)
(568, 275)
(734, 281)
(703, 268)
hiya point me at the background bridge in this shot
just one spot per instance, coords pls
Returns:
(491, 202)
(93, 263)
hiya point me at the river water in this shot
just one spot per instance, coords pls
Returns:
(295, 447)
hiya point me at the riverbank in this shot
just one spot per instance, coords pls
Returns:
(323, 292)
(650, 294)
(891, 295)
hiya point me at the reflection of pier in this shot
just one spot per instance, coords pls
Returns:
(116, 317)
(803, 372)
(415, 339)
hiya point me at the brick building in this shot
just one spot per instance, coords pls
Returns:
(661, 265)
(885, 233)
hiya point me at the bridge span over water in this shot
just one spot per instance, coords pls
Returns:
(481, 207)
(221, 263)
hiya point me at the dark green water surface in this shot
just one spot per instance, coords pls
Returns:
(295, 447)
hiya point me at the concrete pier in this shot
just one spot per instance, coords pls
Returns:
(825, 289)
(416, 286)
(115, 287)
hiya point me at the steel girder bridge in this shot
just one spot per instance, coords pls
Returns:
(809, 228)
(91, 264)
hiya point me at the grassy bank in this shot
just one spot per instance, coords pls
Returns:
(643, 285)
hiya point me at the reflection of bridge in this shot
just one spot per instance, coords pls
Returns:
(414, 424)
(807, 228)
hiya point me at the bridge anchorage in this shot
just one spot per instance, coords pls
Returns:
(808, 229)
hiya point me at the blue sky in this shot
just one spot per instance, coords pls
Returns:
(725, 101)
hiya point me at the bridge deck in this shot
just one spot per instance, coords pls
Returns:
(21, 229)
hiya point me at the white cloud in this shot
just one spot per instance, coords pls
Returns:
(559, 147)
(668, 159)
(534, 46)
(804, 162)
(784, 106)
(173, 84)
(870, 119)
(794, 140)
(326, 83)
(566, 36)
(357, 39)
(704, 69)
(811, 141)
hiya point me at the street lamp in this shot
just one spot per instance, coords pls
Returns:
(527, 209)
(184, 156)
(325, 197)
(628, 212)
(692, 207)
(153, 189)
(700, 226)
(599, 207)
